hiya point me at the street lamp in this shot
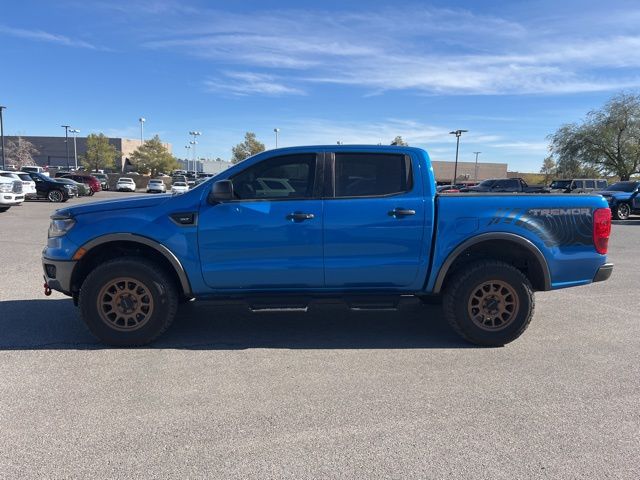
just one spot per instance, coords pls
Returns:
(195, 134)
(457, 133)
(476, 177)
(142, 120)
(66, 141)
(276, 130)
(75, 132)
(193, 143)
(2, 136)
(188, 147)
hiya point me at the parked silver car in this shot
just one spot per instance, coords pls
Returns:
(156, 185)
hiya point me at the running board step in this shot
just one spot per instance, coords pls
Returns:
(275, 308)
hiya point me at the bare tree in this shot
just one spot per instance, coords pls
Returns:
(20, 152)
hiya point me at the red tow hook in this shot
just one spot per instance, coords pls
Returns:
(47, 289)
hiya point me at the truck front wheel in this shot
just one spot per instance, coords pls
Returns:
(489, 303)
(128, 302)
(622, 211)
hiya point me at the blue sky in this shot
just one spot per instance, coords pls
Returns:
(358, 72)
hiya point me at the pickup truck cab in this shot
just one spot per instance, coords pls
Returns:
(289, 226)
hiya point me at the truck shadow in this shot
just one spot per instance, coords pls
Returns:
(56, 325)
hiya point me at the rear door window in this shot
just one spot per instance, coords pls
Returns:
(371, 174)
(602, 184)
(590, 184)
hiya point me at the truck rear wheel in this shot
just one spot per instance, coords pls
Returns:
(489, 303)
(128, 302)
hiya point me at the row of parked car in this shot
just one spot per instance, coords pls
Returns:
(34, 183)
(623, 197)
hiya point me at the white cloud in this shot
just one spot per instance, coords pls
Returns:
(247, 83)
(42, 36)
(435, 51)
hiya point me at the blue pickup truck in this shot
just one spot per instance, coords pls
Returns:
(290, 226)
(623, 198)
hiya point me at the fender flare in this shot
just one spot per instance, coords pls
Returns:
(510, 237)
(158, 247)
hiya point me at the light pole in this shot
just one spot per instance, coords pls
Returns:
(195, 134)
(193, 144)
(66, 142)
(2, 136)
(276, 131)
(188, 147)
(142, 120)
(457, 133)
(476, 177)
(75, 132)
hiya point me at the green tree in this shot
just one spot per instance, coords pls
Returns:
(20, 152)
(153, 157)
(100, 153)
(606, 142)
(548, 168)
(245, 149)
(399, 141)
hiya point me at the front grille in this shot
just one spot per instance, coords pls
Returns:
(17, 187)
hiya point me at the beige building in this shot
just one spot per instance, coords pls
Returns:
(443, 171)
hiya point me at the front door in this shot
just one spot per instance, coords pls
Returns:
(270, 236)
(374, 222)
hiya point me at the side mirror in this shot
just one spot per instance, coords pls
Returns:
(221, 191)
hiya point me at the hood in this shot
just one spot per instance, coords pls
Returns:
(110, 205)
(613, 193)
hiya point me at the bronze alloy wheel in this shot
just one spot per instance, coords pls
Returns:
(125, 304)
(493, 305)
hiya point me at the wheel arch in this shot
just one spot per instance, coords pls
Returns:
(108, 246)
(509, 247)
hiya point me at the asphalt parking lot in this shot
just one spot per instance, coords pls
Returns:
(331, 393)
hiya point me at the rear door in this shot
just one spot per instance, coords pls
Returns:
(373, 221)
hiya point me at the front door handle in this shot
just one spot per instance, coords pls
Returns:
(401, 212)
(300, 217)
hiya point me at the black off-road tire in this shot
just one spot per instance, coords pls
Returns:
(465, 284)
(622, 211)
(4, 209)
(161, 288)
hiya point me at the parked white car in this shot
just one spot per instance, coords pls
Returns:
(179, 187)
(156, 185)
(10, 193)
(126, 184)
(28, 185)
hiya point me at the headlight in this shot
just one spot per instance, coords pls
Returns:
(6, 187)
(70, 187)
(60, 225)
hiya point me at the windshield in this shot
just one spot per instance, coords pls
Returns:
(623, 187)
(179, 184)
(487, 183)
(563, 184)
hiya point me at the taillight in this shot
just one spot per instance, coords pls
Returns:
(601, 229)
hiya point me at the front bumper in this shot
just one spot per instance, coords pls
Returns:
(11, 198)
(603, 273)
(57, 274)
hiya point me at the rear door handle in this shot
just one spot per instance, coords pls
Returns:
(300, 217)
(401, 212)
